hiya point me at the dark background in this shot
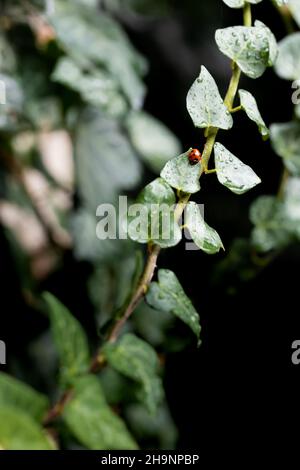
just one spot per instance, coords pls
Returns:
(240, 383)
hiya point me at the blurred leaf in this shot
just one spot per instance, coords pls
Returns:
(248, 103)
(285, 140)
(271, 228)
(87, 246)
(45, 113)
(180, 174)
(167, 295)
(18, 431)
(291, 204)
(8, 61)
(155, 222)
(93, 38)
(96, 87)
(21, 396)
(137, 360)
(288, 63)
(240, 3)
(294, 7)
(205, 237)
(106, 163)
(11, 102)
(205, 105)
(142, 7)
(70, 340)
(152, 324)
(90, 419)
(116, 387)
(233, 173)
(252, 48)
(154, 431)
(154, 142)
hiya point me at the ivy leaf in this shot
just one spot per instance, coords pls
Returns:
(233, 173)
(168, 295)
(285, 139)
(273, 46)
(137, 360)
(271, 228)
(294, 7)
(181, 175)
(252, 48)
(154, 142)
(22, 397)
(18, 431)
(70, 340)
(288, 63)
(205, 237)
(240, 3)
(249, 105)
(91, 420)
(205, 105)
(155, 220)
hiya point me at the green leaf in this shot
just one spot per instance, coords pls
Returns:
(18, 431)
(86, 244)
(292, 198)
(240, 3)
(137, 360)
(252, 48)
(158, 429)
(152, 217)
(94, 39)
(271, 228)
(70, 340)
(21, 396)
(285, 139)
(91, 420)
(168, 295)
(205, 105)
(233, 173)
(96, 87)
(205, 237)
(154, 142)
(294, 7)
(273, 45)
(181, 175)
(249, 105)
(106, 164)
(288, 63)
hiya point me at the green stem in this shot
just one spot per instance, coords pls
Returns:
(247, 15)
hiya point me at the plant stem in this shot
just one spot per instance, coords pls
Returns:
(247, 15)
(142, 288)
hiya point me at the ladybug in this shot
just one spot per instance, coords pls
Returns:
(194, 156)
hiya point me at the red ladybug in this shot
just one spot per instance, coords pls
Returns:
(194, 156)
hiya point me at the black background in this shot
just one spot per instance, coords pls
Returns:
(239, 386)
